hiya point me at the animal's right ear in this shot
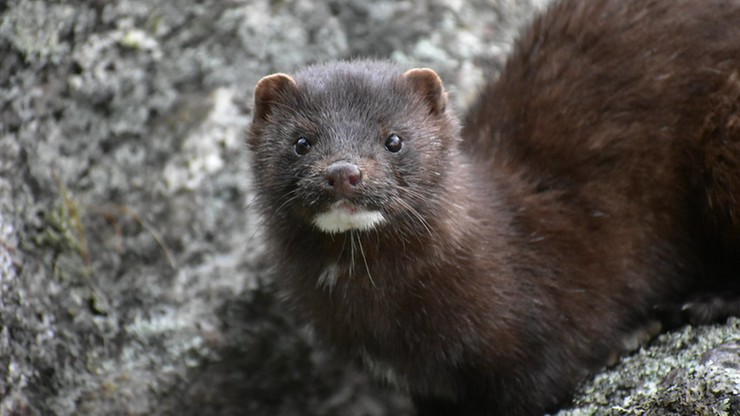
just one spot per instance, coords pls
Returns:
(269, 92)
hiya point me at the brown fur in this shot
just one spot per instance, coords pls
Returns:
(596, 180)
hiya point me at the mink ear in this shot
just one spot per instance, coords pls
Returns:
(269, 91)
(428, 85)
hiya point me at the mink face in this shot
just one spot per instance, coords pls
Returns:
(343, 151)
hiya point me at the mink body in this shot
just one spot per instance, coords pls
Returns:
(488, 269)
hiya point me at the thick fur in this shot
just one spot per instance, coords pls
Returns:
(596, 180)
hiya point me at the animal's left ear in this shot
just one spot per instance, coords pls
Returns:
(428, 85)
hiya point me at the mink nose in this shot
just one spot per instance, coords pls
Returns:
(343, 178)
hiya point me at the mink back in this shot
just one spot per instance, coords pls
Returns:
(627, 110)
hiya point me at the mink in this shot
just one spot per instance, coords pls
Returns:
(488, 266)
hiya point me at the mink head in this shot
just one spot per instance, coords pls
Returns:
(351, 146)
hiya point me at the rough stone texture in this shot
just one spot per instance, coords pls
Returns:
(694, 371)
(131, 275)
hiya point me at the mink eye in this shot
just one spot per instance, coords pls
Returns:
(302, 146)
(393, 143)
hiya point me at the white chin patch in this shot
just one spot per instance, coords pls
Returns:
(343, 216)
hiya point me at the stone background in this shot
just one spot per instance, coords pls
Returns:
(131, 275)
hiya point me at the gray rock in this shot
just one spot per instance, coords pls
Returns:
(693, 371)
(131, 280)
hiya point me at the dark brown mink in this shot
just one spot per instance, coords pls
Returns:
(488, 269)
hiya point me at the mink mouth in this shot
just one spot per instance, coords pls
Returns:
(344, 215)
(346, 206)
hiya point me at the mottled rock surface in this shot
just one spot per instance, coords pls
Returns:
(131, 275)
